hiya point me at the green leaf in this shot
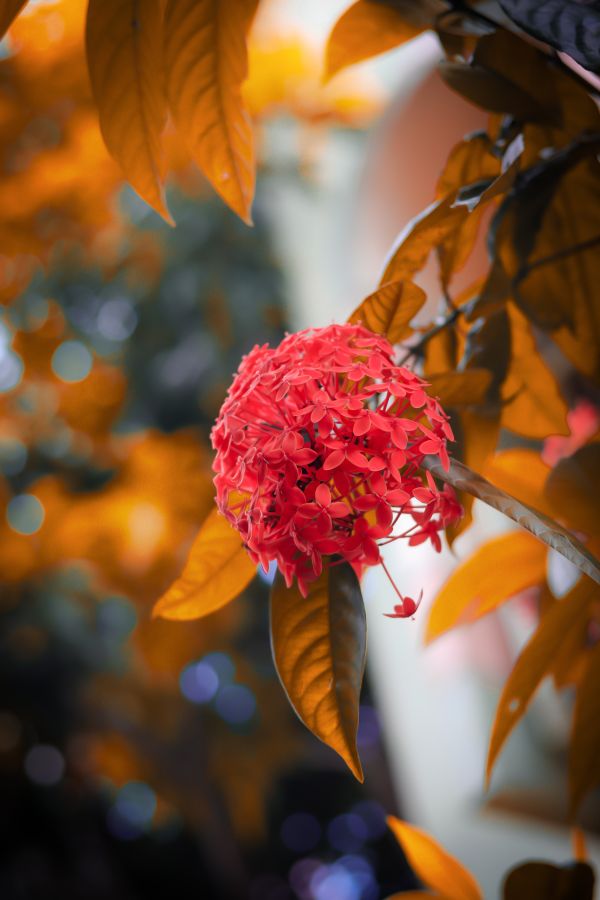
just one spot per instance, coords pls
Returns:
(319, 646)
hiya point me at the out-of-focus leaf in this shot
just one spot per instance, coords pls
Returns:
(367, 29)
(206, 62)
(571, 26)
(584, 749)
(573, 489)
(522, 473)
(488, 346)
(534, 405)
(535, 662)
(491, 91)
(478, 437)
(319, 645)
(124, 53)
(459, 389)
(390, 309)
(433, 864)
(543, 881)
(578, 843)
(217, 570)
(545, 529)
(474, 588)
(425, 232)
(9, 10)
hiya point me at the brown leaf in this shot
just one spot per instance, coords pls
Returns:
(458, 389)
(474, 588)
(9, 10)
(319, 645)
(124, 53)
(477, 434)
(433, 865)
(217, 570)
(390, 309)
(206, 62)
(573, 489)
(584, 750)
(535, 662)
(543, 881)
(544, 528)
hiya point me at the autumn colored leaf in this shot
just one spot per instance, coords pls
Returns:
(366, 29)
(573, 489)
(423, 234)
(478, 435)
(459, 389)
(206, 63)
(543, 881)
(435, 867)
(9, 10)
(584, 749)
(217, 570)
(522, 473)
(545, 529)
(390, 309)
(124, 53)
(535, 662)
(474, 588)
(319, 645)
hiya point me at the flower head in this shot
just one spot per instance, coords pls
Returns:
(319, 446)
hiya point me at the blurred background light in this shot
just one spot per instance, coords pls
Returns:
(72, 361)
(223, 665)
(369, 730)
(44, 765)
(300, 832)
(267, 577)
(25, 514)
(347, 832)
(373, 815)
(236, 704)
(199, 682)
(117, 319)
(13, 456)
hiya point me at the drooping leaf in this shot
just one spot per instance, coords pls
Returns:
(319, 645)
(206, 63)
(217, 570)
(544, 881)
(9, 10)
(573, 489)
(435, 867)
(124, 53)
(474, 589)
(584, 749)
(390, 309)
(422, 235)
(455, 390)
(535, 662)
(367, 29)
(544, 528)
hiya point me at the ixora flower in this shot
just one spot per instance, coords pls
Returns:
(319, 447)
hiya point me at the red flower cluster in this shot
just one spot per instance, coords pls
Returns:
(319, 446)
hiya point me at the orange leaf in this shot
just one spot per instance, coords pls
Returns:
(535, 662)
(319, 645)
(573, 489)
(124, 53)
(584, 751)
(390, 309)
(474, 588)
(9, 10)
(366, 29)
(458, 389)
(206, 64)
(422, 234)
(217, 570)
(522, 473)
(433, 865)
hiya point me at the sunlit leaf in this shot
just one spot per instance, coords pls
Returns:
(584, 750)
(422, 234)
(124, 53)
(390, 309)
(474, 588)
(9, 10)
(522, 473)
(573, 489)
(366, 29)
(544, 881)
(544, 528)
(319, 645)
(535, 662)
(206, 63)
(459, 389)
(433, 865)
(217, 570)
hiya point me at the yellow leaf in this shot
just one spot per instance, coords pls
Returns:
(422, 234)
(217, 570)
(319, 645)
(474, 588)
(521, 473)
(534, 406)
(584, 751)
(390, 309)
(536, 661)
(9, 10)
(206, 63)
(458, 389)
(433, 865)
(366, 29)
(124, 53)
